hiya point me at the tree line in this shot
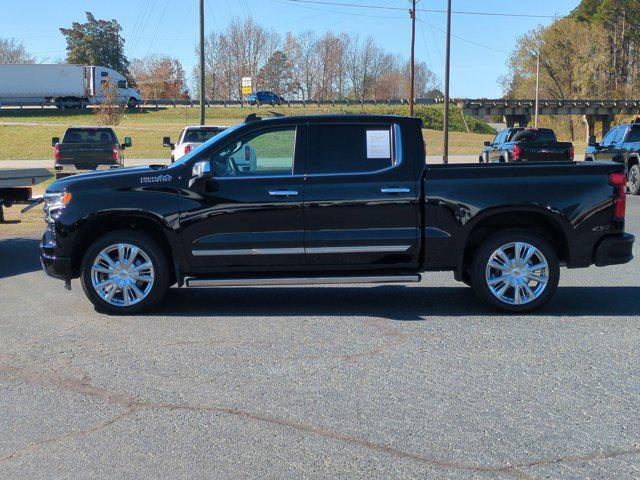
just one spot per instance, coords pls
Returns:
(593, 53)
(307, 66)
(304, 66)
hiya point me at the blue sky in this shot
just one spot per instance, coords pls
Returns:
(171, 27)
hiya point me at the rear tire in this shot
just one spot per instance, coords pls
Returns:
(510, 281)
(124, 272)
(634, 180)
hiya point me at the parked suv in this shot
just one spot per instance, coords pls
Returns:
(265, 97)
(622, 145)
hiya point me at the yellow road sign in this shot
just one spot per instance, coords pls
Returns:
(246, 90)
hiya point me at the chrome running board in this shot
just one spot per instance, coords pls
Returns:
(252, 282)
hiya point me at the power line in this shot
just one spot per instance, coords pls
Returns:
(465, 39)
(157, 27)
(430, 10)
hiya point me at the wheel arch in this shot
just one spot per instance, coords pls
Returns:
(536, 221)
(98, 225)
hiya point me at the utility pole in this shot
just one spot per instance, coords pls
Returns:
(445, 157)
(202, 99)
(412, 13)
(537, 87)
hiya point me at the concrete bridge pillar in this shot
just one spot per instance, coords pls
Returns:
(591, 120)
(606, 121)
(590, 123)
(521, 120)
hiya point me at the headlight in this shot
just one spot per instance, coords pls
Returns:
(56, 200)
(53, 202)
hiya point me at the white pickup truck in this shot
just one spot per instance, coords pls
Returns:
(191, 138)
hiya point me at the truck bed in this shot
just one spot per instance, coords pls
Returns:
(23, 177)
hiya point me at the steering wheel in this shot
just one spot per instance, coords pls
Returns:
(232, 167)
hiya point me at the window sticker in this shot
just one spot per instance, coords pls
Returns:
(378, 144)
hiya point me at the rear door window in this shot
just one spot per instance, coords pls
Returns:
(349, 148)
(613, 137)
(634, 134)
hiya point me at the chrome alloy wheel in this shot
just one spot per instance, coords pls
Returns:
(122, 275)
(634, 179)
(517, 273)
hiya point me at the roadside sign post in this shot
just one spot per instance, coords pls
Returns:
(246, 86)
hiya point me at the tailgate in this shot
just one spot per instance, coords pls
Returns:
(86, 155)
(545, 151)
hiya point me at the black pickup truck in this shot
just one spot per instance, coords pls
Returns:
(331, 199)
(526, 145)
(622, 145)
(85, 149)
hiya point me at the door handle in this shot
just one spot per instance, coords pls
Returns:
(282, 193)
(394, 190)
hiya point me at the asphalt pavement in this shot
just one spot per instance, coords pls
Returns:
(417, 381)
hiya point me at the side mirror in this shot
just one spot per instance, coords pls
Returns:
(127, 142)
(166, 142)
(55, 141)
(487, 143)
(201, 169)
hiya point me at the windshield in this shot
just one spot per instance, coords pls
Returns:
(200, 135)
(211, 141)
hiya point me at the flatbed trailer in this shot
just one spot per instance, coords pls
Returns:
(16, 186)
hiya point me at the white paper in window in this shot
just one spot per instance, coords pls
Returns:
(378, 144)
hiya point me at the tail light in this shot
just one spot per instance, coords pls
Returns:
(115, 152)
(56, 153)
(187, 149)
(517, 151)
(572, 153)
(619, 181)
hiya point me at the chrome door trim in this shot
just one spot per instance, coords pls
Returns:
(359, 249)
(394, 190)
(283, 193)
(300, 251)
(248, 251)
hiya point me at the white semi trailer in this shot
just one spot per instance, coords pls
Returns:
(64, 85)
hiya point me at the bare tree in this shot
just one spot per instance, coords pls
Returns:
(159, 77)
(13, 51)
(305, 66)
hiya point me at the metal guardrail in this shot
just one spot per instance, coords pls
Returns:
(168, 102)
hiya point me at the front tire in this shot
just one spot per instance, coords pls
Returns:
(515, 271)
(634, 180)
(124, 272)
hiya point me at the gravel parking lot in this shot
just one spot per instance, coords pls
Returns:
(320, 382)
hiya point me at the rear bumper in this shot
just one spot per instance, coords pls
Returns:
(70, 169)
(614, 250)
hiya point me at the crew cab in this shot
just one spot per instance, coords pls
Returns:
(621, 145)
(526, 145)
(331, 199)
(190, 138)
(85, 149)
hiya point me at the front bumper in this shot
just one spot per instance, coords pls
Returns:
(70, 169)
(54, 266)
(614, 250)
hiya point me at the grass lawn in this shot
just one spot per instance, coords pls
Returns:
(26, 134)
